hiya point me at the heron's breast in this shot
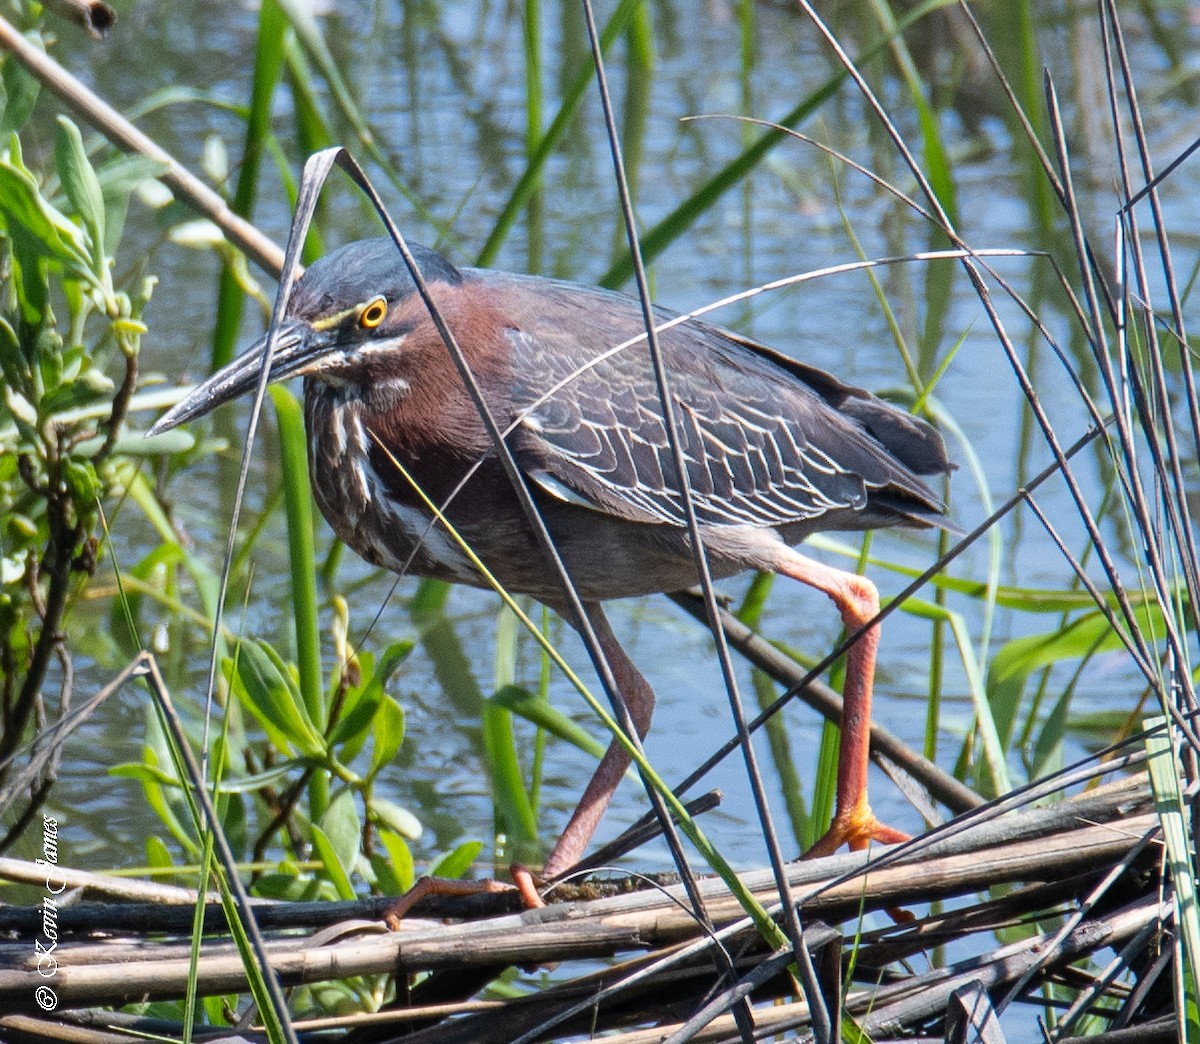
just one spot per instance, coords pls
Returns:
(386, 529)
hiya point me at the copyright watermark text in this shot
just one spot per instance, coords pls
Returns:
(46, 942)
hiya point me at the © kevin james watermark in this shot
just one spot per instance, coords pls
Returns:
(47, 941)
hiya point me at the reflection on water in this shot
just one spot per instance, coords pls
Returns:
(444, 85)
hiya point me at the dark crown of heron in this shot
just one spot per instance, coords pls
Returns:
(354, 297)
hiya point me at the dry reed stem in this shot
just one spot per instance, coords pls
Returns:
(119, 973)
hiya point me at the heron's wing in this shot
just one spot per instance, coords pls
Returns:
(761, 447)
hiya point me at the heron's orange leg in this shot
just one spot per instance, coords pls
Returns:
(857, 599)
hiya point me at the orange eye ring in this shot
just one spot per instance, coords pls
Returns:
(373, 314)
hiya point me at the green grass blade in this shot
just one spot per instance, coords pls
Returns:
(535, 224)
(335, 872)
(308, 33)
(1174, 815)
(662, 235)
(293, 445)
(509, 793)
(302, 555)
(537, 710)
(531, 177)
(994, 750)
(184, 764)
(268, 61)
(1017, 659)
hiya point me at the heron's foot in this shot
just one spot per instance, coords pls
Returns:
(527, 884)
(856, 828)
(431, 886)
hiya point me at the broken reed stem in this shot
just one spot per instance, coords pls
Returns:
(112, 974)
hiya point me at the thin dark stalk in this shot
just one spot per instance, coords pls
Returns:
(1125, 438)
(530, 178)
(573, 603)
(823, 699)
(821, 1019)
(1081, 771)
(183, 749)
(800, 689)
(51, 739)
(29, 809)
(1151, 182)
(1014, 103)
(1101, 602)
(284, 807)
(1176, 506)
(639, 834)
(730, 998)
(120, 408)
(976, 256)
(1061, 190)
(1052, 951)
(305, 203)
(994, 319)
(929, 993)
(1085, 770)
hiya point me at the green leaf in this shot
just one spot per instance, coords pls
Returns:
(90, 386)
(335, 872)
(538, 711)
(513, 804)
(118, 179)
(84, 484)
(1018, 659)
(157, 798)
(82, 187)
(341, 826)
(455, 864)
(291, 888)
(22, 412)
(143, 773)
(275, 701)
(20, 91)
(1175, 817)
(388, 729)
(122, 174)
(136, 444)
(25, 211)
(158, 856)
(232, 812)
(397, 818)
(358, 712)
(276, 774)
(573, 95)
(394, 871)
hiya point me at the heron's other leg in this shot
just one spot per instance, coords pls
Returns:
(857, 601)
(639, 698)
(573, 842)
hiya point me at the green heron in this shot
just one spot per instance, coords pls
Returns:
(776, 450)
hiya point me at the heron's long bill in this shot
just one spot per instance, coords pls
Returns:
(296, 346)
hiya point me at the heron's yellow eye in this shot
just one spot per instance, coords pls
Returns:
(373, 314)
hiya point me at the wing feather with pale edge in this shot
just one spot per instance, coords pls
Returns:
(766, 442)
